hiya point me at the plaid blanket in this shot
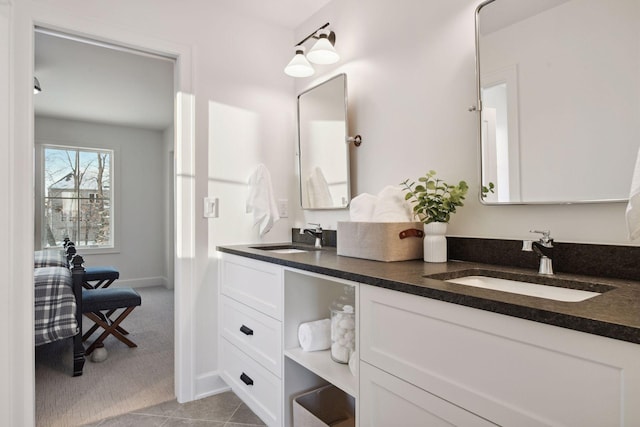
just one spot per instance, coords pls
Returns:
(55, 305)
(50, 258)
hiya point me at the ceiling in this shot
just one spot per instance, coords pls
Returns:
(101, 83)
(284, 13)
(83, 81)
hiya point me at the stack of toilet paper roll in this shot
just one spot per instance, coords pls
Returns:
(315, 336)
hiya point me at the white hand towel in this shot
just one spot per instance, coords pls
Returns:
(318, 190)
(261, 201)
(633, 207)
(316, 335)
(391, 206)
(362, 206)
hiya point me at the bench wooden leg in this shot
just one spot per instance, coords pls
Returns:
(107, 319)
(109, 329)
(78, 355)
(103, 283)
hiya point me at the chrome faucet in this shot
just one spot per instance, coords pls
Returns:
(544, 248)
(317, 233)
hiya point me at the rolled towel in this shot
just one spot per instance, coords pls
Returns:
(392, 207)
(362, 206)
(316, 335)
(353, 363)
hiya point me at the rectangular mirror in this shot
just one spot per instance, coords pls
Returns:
(323, 151)
(559, 99)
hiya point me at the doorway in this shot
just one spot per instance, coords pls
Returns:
(94, 96)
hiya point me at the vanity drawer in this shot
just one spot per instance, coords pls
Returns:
(255, 333)
(386, 400)
(254, 283)
(255, 385)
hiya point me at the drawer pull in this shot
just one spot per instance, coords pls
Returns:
(245, 330)
(246, 379)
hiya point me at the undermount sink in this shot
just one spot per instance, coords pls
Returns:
(287, 251)
(284, 249)
(547, 287)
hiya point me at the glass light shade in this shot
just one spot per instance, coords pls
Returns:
(299, 66)
(36, 86)
(323, 51)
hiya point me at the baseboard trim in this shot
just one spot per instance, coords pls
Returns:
(142, 282)
(209, 384)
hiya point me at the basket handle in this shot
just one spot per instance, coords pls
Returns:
(411, 232)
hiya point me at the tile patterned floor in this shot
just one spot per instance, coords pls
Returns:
(221, 410)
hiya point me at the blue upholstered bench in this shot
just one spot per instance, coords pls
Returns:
(95, 301)
(99, 277)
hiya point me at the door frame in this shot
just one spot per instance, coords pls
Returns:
(23, 19)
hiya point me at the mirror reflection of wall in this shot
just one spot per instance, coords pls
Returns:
(560, 89)
(323, 151)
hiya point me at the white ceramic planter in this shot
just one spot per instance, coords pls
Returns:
(435, 242)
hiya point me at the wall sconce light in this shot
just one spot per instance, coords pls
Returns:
(322, 52)
(36, 86)
(299, 65)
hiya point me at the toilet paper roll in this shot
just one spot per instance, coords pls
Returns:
(316, 335)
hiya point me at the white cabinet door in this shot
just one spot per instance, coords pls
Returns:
(388, 401)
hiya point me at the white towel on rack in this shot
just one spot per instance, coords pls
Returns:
(261, 201)
(318, 190)
(633, 207)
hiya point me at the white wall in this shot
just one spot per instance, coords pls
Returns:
(139, 184)
(411, 77)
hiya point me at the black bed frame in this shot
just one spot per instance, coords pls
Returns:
(77, 273)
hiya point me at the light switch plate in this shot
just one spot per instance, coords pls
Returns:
(210, 209)
(283, 208)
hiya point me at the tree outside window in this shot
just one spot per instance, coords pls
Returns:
(77, 196)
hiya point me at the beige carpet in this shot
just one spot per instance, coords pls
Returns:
(130, 378)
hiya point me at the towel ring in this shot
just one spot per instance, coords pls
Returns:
(357, 140)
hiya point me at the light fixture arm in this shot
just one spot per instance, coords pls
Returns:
(332, 36)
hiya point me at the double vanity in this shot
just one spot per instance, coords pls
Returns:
(436, 343)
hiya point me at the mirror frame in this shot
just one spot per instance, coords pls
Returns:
(478, 110)
(346, 143)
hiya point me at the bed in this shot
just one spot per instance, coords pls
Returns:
(58, 301)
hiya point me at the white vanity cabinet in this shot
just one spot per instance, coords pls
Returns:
(462, 366)
(250, 319)
(421, 361)
(261, 307)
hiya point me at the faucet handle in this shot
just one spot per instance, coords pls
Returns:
(546, 235)
(527, 246)
(318, 226)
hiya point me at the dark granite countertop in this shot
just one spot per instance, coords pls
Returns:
(614, 314)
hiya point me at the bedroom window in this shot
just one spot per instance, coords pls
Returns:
(77, 196)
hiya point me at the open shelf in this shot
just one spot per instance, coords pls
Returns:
(320, 363)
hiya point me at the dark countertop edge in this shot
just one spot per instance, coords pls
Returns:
(581, 324)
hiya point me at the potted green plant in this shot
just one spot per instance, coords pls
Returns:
(434, 201)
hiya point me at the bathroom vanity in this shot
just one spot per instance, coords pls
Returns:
(431, 352)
